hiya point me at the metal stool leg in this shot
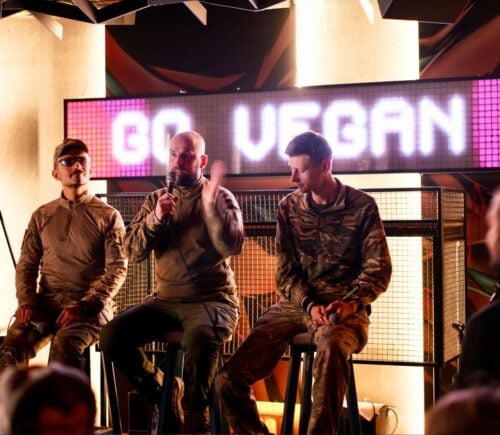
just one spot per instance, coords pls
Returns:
(110, 381)
(307, 378)
(291, 390)
(352, 406)
(174, 361)
(173, 367)
(218, 423)
(352, 403)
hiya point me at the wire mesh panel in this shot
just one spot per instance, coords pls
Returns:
(140, 280)
(254, 269)
(453, 276)
(406, 204)
(411, 322)
(401, 323)
(128, 204)
(405, 326)
(137, 286)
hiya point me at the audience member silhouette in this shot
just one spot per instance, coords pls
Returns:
(480, 356)
(52, 400)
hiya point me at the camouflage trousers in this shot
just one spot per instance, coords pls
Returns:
(261, 351)
(67, 344)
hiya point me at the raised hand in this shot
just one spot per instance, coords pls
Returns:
(217, 172)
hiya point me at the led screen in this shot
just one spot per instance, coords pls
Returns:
(386, 127)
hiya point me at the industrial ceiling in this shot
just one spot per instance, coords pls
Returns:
(105, 11)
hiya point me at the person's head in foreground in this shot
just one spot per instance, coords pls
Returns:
(52, 400)
(473, 410)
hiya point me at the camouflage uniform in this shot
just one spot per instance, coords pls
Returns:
(77, 249)
(322, 253)
(196, 291)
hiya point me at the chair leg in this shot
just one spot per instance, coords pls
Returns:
(352, 399)
(173, 355)
(291, 390)
(307, 378)
(174, 361)
(352, 403)
(218, 423)
(110, 380)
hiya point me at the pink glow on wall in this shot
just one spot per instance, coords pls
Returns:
(90, 121)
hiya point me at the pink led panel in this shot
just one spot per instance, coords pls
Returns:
(91, 121)
(486, 122)
(416, 126)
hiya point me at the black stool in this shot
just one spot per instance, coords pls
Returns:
(173, 366)
(302, 345)
(111, 390)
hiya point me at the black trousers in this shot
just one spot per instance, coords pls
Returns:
(205, 326)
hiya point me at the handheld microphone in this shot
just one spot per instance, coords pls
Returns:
(171, 185)
(42, 328)
(171, 181)
(333, 317)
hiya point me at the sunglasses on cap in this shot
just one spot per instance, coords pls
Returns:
(70, 161)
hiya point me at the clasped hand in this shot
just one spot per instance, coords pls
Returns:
(68, 315)
(320, 313)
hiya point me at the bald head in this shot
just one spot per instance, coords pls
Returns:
(191, 138)
(187, 156)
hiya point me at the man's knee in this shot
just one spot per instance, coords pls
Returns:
(109, 337)
(222, 381)
(225, 385)
(202, 338)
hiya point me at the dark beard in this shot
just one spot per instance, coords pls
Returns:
(186, 180)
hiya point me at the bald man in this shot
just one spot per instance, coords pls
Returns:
(193, 229)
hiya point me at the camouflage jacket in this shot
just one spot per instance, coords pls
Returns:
(324, 253)
(193, 250)
(77, 248)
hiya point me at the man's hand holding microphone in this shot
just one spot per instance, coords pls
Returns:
(166, 203)
(335, 311)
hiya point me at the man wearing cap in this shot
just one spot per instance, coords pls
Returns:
(72, 263)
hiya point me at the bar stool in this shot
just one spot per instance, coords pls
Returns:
(302, 345)
(111, 390)
(173, 366)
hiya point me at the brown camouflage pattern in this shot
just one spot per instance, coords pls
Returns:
(325, 254)
(77, 250)
(321, 254)
(192, 253)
